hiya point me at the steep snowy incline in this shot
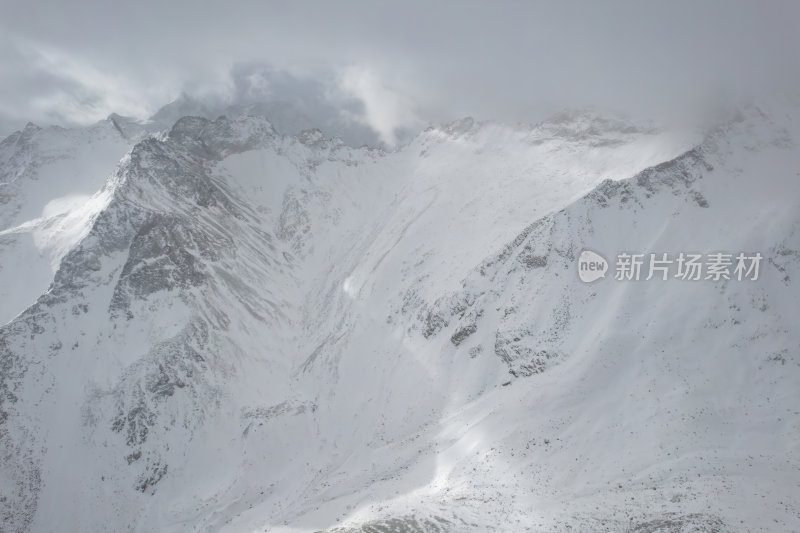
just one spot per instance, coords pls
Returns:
(47, 166)
(358, 217)
(152, 321)
(468, 180)
(179, 327)
(526, 399)
(48, 181)
(255, 331)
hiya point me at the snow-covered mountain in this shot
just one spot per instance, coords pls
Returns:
(48, 181)
(238, 330)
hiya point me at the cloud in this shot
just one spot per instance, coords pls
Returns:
(81, 93)
(386, 110)
(47, 85)
(394, 65)
(298, 101)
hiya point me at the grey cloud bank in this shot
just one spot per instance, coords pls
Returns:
(386, 68)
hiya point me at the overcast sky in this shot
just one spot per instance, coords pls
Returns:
(409, 63)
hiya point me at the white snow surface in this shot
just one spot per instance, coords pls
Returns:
(240, 331)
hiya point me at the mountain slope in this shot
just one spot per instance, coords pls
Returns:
(286, 333)
(48, 181)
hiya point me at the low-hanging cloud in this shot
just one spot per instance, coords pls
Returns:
(393, 67)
